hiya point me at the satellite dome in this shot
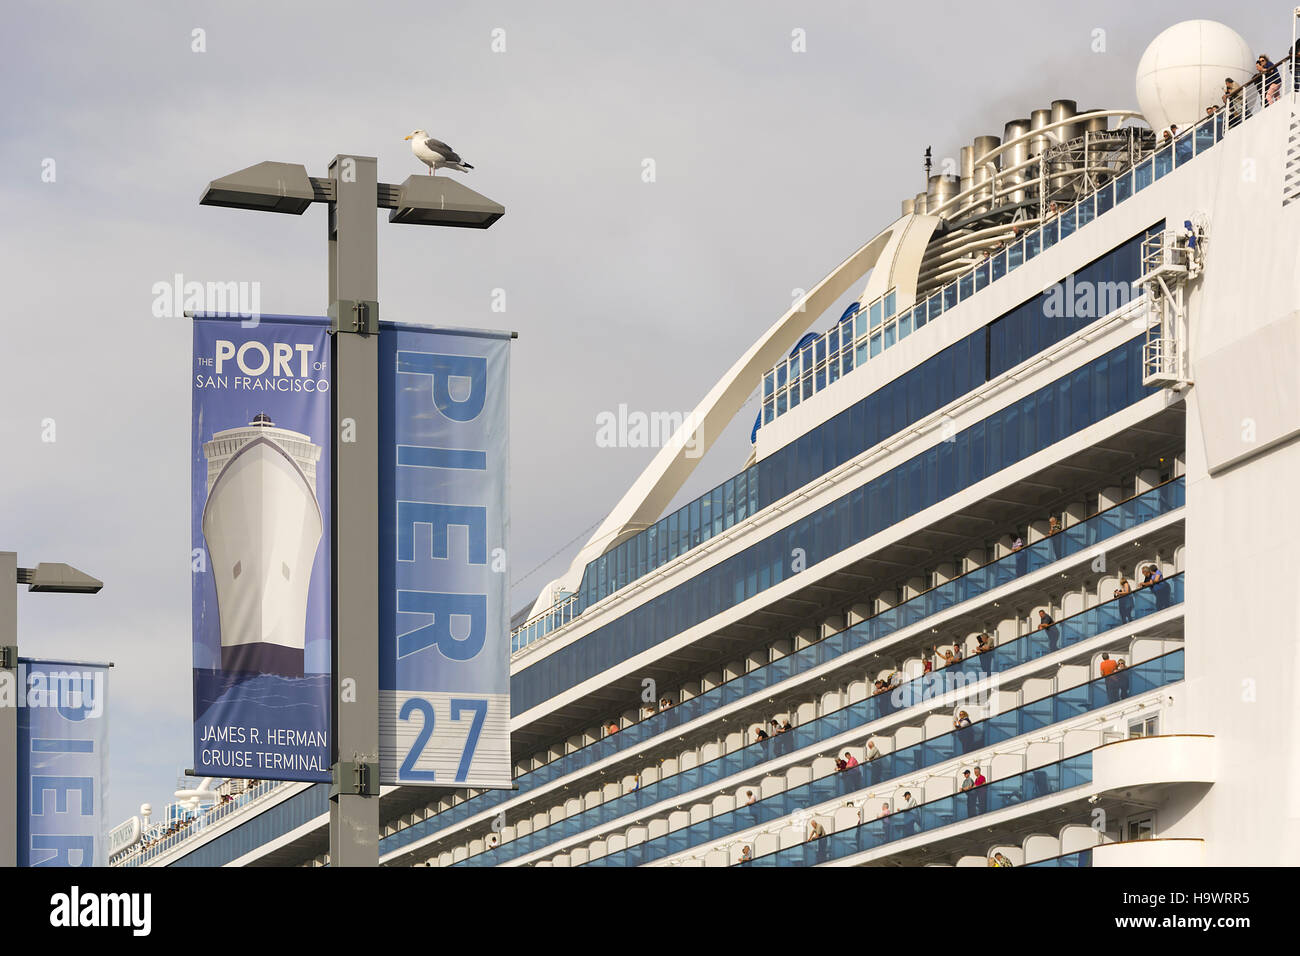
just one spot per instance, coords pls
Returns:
(1183, 69)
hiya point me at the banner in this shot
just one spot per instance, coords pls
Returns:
(260, 526)
(444, 629)
(62, 763)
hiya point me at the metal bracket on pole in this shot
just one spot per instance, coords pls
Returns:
(8, 657)
(361, 318)
(354, 776)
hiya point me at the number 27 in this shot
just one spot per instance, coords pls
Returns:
(425, 707)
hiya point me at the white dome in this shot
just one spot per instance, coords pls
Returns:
(1182, 71)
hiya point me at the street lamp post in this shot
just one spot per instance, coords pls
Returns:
(352, 192)
(57, 578)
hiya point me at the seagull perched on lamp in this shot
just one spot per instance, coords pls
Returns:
(436, 154)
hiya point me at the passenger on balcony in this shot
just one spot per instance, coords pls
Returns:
(909, 803)
(1232, 99)
(760, 733)
(749, 798)
(840, 765)
(1160, 587)
(964, 732)
(1122, 678)
(968, 787)
(955, 654)
(850, 761)
(745, 855)
(612, 728)
(997, 859)
(872, 753)
(981, 797)
(1125, 595)
(817, 832)
(1045, 623)
(1107, 668)
(884, 811)
(984, 644)
(665, 704)
(927, 665)
(1017, 542)
(1267, 80)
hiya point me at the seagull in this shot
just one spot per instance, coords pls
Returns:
(435, 153)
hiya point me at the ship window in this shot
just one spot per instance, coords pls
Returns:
(1147, 727)
(234, 573)
(965, 286)
(1183, 148)
(889, 335)
(950, 295)
(846, 360)
(1033, 244)
(875, 345)
(767, 412)
(981, 280)
(862, 353)
(1141, 828)
(859, 325)
(284, 569)
(767, 385)
(875, 314)
(905, 325)
(889, 303)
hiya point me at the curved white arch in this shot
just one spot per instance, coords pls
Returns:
(899, 248)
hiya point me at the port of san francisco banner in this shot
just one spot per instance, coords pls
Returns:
(260, 527)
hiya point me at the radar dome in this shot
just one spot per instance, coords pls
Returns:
(1183, 69)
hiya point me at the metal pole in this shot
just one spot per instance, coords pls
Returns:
(354, 310)
(9, 715)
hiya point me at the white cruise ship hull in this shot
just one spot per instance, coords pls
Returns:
(262, 524)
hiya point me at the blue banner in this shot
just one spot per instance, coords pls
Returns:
(260, 523)
(444, 629)
(62, 763)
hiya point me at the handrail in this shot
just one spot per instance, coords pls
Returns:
(911, 692)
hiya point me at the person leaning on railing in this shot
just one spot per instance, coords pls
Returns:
(1267, 81)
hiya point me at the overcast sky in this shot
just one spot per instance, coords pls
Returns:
(771, 166)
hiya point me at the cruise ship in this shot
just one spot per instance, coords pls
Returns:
(1006, 580)
(262, 524)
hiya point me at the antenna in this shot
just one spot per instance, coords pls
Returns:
(928, 163)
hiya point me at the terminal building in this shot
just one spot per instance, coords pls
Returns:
(1006, 578)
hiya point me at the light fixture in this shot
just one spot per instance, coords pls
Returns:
(441, 201)
(268, 187)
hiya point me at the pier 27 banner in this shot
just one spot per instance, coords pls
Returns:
(260, 506)
(444, 635)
